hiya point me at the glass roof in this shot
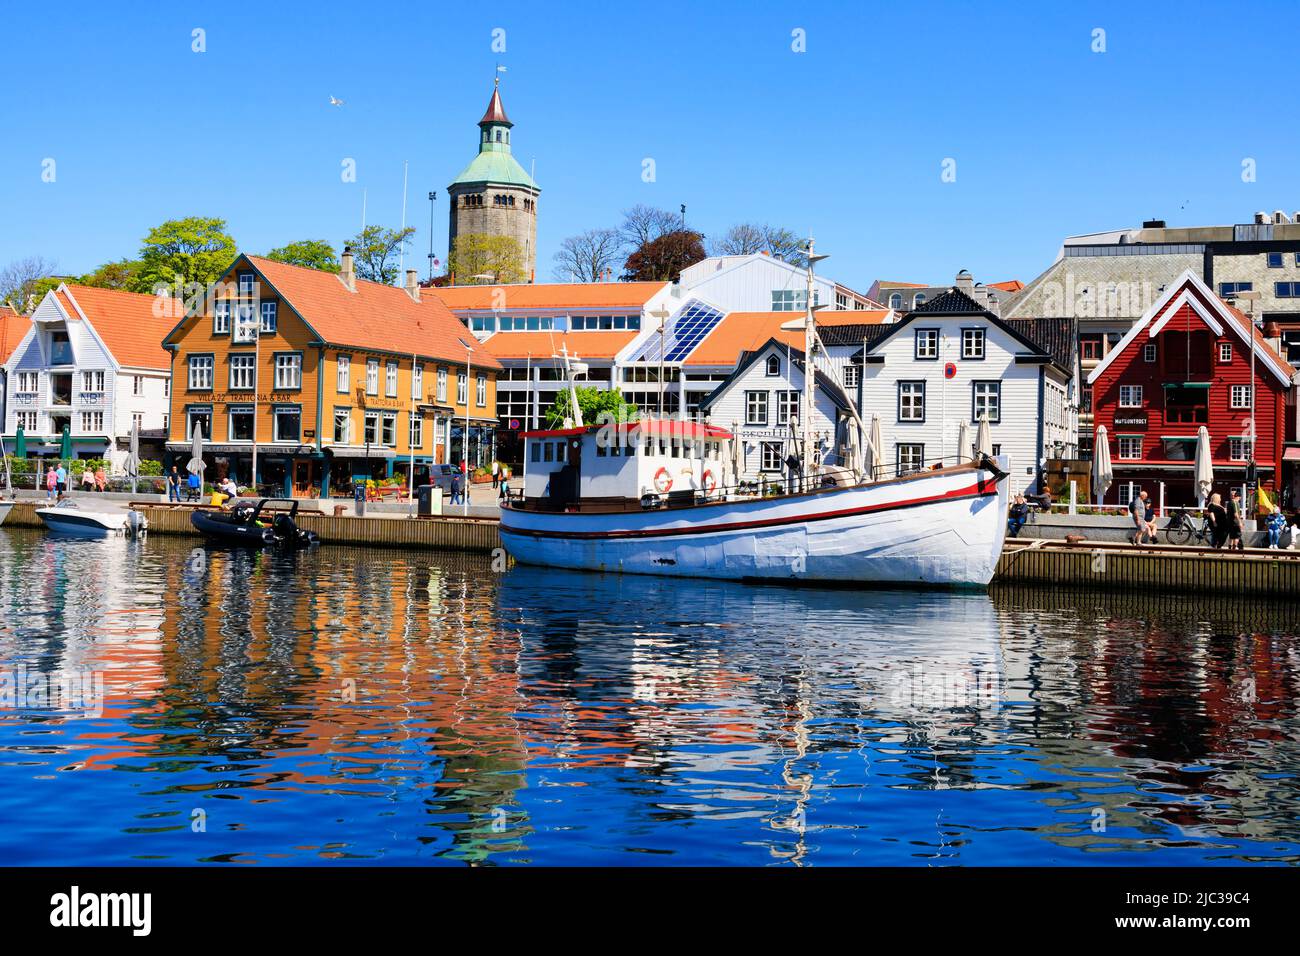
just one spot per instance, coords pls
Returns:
(685, 330)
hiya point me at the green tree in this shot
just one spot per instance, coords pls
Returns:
(377, 250)
(121, 274)
(476, 254)
(312, 253)
(192, 250)
(593, 402)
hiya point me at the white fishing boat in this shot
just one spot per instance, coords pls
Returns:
(87, 520)
(649, 497)
(5, 508)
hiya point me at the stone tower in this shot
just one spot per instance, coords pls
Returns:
(493, 194)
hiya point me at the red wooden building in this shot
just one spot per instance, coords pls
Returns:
(1184, 364)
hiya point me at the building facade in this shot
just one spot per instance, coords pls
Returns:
(332, 378)
(13, 328)
(493, 195)
(759, 403)
(953, 361)
(90, 363)
(760, 283)
(1187, 363)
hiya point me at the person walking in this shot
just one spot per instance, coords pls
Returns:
(1217, 516)
(174, 485)
(1234, 522)
(457, 486)
(51, 482)
(1137, 509)
(61, 479)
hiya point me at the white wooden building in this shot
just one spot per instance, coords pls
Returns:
(760, 404)
(953, 361)
(93, 362)
(760, 283)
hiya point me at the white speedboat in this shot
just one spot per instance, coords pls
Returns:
(98, 520)
(5, 508)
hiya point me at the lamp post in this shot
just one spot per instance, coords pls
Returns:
(432, 196)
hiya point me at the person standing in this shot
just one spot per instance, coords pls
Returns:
(101, 479)
(1137, 509)
(1217, 516)
(1234, 522)
(195, 486)
(61, 479)
(174, 485)
(496, 474)
(51, 482)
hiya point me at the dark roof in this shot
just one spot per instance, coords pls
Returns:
(953, 302)
(1057, 337)
(850, 334)
(820, 379)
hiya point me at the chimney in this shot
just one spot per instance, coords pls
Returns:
(347, 274)
(1279, 217)
(413, 284)
(965, 283)
(1261, 218)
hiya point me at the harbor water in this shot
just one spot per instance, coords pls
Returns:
(167, 703)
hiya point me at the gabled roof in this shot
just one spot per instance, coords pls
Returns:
(1056, 336)
(379, 317)
(13, 326)
(550, 295)
(130, 324)
(955, 304)
(542, 345)
(820, 379)
(1191, 291)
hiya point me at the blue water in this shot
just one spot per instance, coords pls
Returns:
(353, 706)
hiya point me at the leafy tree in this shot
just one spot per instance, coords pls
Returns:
(377, 251)
(593, 403)
(586, 256)
(312, 253)
(19, 280)
(663, 259)
(121, 274)
(478, 254)
(193, 250)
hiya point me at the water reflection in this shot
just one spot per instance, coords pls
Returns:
(355, 705)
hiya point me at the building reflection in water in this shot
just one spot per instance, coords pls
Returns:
(357, 704)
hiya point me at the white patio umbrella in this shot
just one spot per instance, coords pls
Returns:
(735, 453)
(195, 465)
(1204, 470)
(876, 447)
(1102, 472)
(963, 441)
(132, 465)
(983, 437)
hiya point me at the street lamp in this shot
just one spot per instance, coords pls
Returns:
(432, 196)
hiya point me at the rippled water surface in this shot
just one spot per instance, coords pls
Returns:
(164, 704)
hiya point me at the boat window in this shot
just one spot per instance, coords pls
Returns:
(550, 451)
(537, 451)
(601, 452)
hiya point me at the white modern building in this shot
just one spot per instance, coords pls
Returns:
(760, 404)
(92, 363)
(761, 283)
(954, 361)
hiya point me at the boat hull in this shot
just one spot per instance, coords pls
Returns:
(5, 508)
(943, 529)
(81, 524)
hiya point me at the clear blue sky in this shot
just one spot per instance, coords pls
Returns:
(846, 139)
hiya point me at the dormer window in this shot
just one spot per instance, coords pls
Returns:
(773, 365)
(896, 301)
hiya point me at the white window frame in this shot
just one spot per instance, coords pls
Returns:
(442, 385)
(390, 380)
(343, 374)
(914, 390)
(991, 390)
(1149, 352)
(92, 382)
(246, 365)
(1128, 448)
(1225, 353)
(221, 312)
(1240, 448)
(269, 311)
(231, 412)
(372, 376)
(415, 431)
(756, 402)
(417, 382)
(769, 456)
(343, 416)
(200, 373)
(925, 344)
(973, 344)
(275, 423)
(1242, 396)
(480, 391)
(288, 371)
(914, 450)
(462, 389)
(787, 404)
(1134, 396)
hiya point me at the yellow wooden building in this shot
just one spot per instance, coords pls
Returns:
(312, 373)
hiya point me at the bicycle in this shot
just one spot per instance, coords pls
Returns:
(1182, 528)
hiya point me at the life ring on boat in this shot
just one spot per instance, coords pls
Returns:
(663, 481)
(709, 482)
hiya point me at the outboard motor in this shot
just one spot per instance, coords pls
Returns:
(136, 524)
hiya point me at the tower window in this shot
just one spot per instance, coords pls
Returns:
(498, 136)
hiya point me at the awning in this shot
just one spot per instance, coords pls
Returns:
(1291, 454)
(247, 449)
(351, 451)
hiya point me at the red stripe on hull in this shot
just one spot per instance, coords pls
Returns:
(982, 488)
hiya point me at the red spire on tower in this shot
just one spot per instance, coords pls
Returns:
(496, 113)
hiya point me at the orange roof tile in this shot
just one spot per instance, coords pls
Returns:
(553, 295)
(131, 325)
(375, 316)
(542, 345)
(1011, 285)
(13, 327)
(745, 331)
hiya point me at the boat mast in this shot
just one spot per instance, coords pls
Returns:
(573, 388)
(809, 369)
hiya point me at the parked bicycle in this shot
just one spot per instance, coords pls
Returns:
(1183, 528)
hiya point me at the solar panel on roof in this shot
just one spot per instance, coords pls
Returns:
(685, 331)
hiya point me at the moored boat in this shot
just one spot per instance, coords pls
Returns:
(244, 525)
(5, 508)
(73, 518)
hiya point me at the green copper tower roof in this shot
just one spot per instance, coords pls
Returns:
(494, 164)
